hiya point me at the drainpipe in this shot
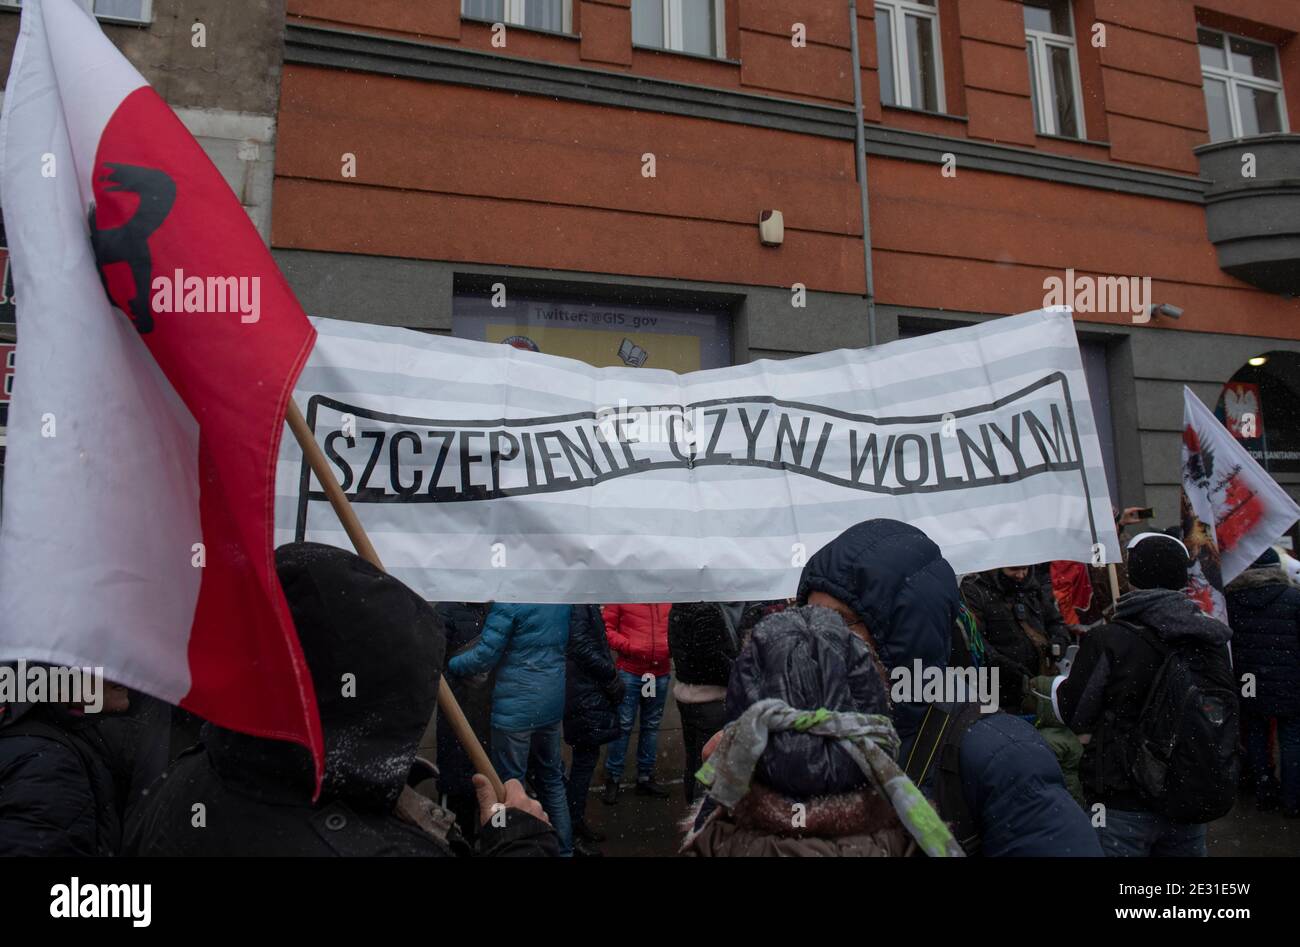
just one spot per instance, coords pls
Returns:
(860, 155)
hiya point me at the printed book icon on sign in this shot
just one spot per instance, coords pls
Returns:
(632, 354)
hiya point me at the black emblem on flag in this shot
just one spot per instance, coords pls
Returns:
(129, 243)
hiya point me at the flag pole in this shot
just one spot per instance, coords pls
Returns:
(447, 704)
(1114, 581)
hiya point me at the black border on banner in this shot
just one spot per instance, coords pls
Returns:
(306, 495)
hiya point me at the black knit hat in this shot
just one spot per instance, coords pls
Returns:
(1267, 558)
(1157, 561)
(375, 650)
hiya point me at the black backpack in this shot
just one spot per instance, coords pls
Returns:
(1183, 753)
(938, 746)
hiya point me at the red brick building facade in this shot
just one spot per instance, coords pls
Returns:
(603, 158)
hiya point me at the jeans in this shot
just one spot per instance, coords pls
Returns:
(1261, 763)
(1143, 834)
(515, 753)
(699, 722)
(585, 757)
(652, 713)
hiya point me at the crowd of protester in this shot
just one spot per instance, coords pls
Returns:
(1126, 719)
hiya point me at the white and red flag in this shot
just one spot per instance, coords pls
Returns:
(1232, 510)
(158, 346)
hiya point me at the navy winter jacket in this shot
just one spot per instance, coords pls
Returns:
(61, 783)
(463, 623)
(897, 581)
(1264, 613)
(526, 644)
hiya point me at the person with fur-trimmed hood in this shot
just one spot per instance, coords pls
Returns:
(991, 775)
(806, 766)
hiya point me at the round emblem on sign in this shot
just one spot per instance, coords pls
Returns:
(521, 342)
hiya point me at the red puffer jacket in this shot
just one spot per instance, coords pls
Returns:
(639, 633)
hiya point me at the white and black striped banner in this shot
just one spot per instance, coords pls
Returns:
(485, 472)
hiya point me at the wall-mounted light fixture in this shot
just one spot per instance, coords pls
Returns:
(771, 228)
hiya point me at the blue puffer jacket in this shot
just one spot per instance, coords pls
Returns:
(897, 581)
(526, 644)
(1264, 612)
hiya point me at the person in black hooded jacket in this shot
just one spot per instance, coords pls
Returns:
(463, 623)
(593, 691)
(375, 651)
(1022, 627)
(1002, 785)
(65, 776)
(704, 639)
(1264, 612)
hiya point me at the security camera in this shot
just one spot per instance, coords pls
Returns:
(1165, 309)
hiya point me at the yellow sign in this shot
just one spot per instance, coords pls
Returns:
(677, 353)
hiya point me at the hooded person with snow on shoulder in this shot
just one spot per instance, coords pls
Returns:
(994, 779)
(375, 651)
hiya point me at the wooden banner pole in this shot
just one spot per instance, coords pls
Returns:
(451, 712)
(1114, 581)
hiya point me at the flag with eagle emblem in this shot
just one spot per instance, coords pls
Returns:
(1232, 510)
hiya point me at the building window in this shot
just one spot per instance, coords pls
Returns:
(910, 63)
(1243, 87)
(553, 15)
(122, 11)
(684, 26)
(1053, 68)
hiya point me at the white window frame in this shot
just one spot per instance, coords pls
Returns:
(674, 29)
(899, 10)
(514, 15)
(146, 17)
(1233, 79)
(1039, 42)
